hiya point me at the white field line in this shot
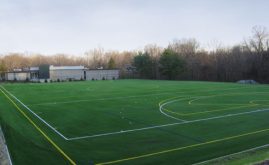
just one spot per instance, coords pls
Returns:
(167, 125)
(124, 97)
(57, 132)
(233, 154)
(161, 107)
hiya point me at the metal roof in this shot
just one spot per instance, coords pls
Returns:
(34, 68)
(66, 67)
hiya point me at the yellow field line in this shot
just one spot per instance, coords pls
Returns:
(39, 129)
(217, 110)
(182, 148)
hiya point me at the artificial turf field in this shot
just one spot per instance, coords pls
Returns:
(132, 121)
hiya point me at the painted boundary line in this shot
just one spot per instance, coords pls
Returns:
(163, 103)
(57, 132)
(39, 129)
(234, 154)
(186, 147)
(166, 125)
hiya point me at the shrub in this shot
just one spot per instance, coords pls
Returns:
(113, 78)
(103, 78)
(46, 81)
(58, 80)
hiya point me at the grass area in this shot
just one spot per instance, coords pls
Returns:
(134, 121)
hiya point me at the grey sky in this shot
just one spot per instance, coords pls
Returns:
(75, 26)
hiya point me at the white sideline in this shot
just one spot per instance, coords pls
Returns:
(233, 154)
(35, 114)
(166, 125)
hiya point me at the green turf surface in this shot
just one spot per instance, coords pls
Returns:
(106, 121)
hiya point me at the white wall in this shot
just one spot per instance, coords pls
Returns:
(63, 74)
(100, 74)
(19, 76)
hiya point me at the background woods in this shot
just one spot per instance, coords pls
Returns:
(182, 59)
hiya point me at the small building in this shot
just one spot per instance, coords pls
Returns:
(17, 76)
(102, 74)
(25, 74)
(63, 73)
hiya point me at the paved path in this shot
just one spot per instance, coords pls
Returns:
(4, 155)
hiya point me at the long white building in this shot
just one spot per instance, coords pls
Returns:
(61, 73)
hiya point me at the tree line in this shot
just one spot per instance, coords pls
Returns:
(184, 60)
(181, 60)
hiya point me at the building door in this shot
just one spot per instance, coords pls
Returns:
(84, 75)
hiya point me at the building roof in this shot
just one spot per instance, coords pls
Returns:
(101, 69)
(66, 67)
(17, 72)
(34, 68)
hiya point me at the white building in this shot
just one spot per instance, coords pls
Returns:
(66, 73)
(61, 73)
(101, 74)
(17, 76)
(25, 74)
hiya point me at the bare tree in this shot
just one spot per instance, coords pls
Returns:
(184, 47)
(259, 42)
(95, 57)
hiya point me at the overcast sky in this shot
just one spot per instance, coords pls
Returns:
(75, 26)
